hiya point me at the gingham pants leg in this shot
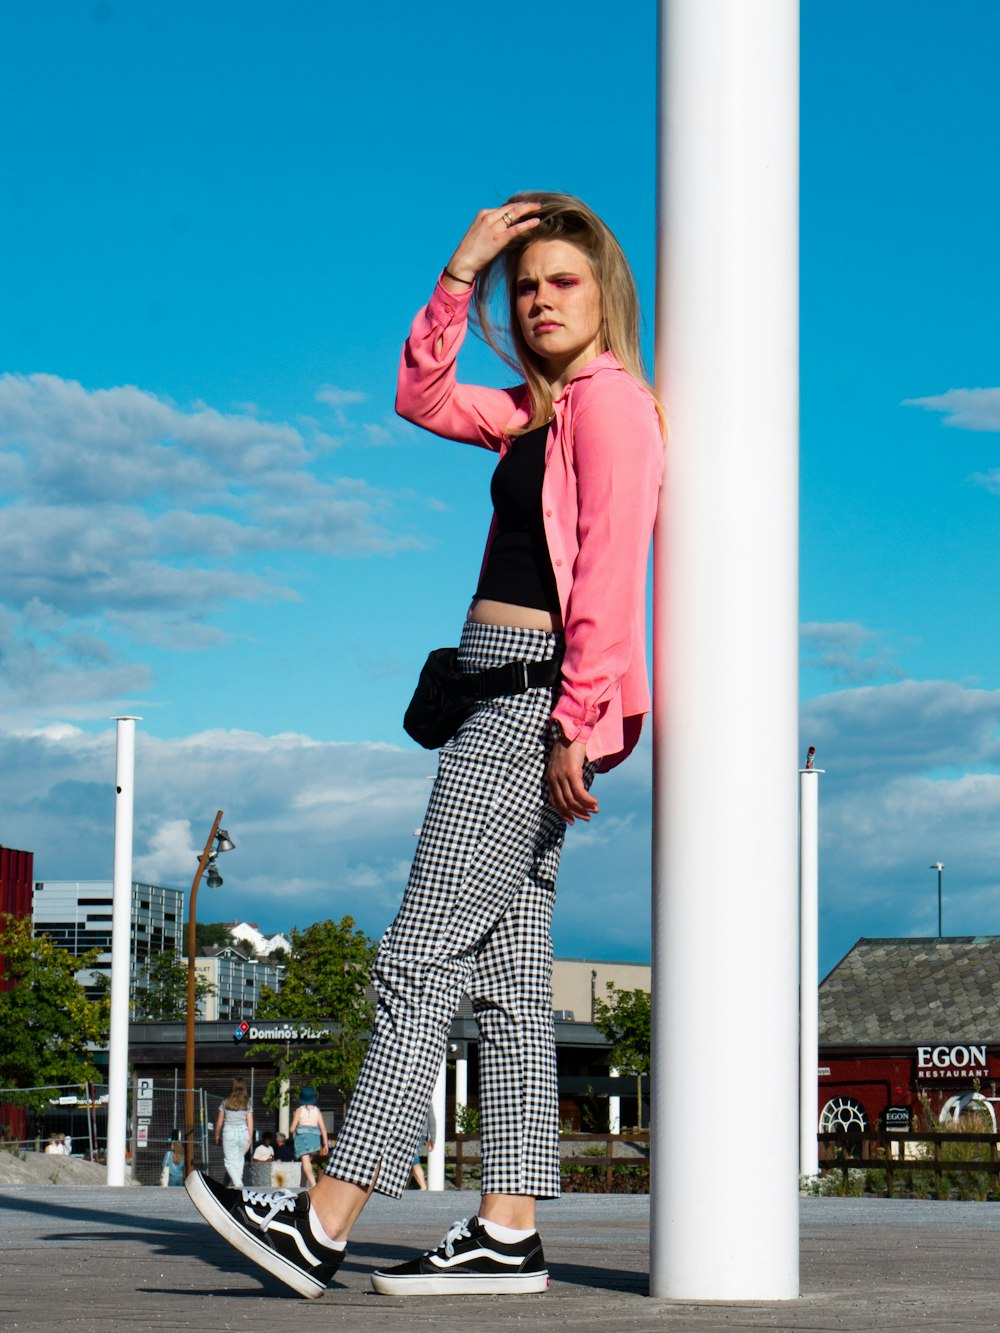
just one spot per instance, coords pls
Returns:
(487, 825)
(511, 990)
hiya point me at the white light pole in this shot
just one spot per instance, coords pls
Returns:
(809, 965)
(939, 867)
(121, 950)
(725, 913)
(435, 1158)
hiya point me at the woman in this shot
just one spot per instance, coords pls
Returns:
(562, 593)
(308, 1130)
(172, 1166)
(234, 1128)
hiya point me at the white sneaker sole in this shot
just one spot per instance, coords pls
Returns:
(220, 1220)
(469, 1284)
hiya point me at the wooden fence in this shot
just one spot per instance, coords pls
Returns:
(873, 1150)
(461, 1159)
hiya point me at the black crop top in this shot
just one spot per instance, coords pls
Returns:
(518, 569)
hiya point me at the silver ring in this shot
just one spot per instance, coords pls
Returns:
(507, 219)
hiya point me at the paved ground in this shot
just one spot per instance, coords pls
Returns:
(86, 1260)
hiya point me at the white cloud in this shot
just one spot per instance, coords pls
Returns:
(321, 828)
(912, 777)
(850, 651)
(335, 397)
(965, 409)
(131, 508)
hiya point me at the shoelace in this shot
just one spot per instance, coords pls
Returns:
(277, 1201)
(458, 1232)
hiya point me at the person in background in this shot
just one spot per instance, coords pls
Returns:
(309, 1132)
(264, 1151)
(172, 1166)
(234, 1130)
(430, 1138)
(57, 1145)
(283, 1152)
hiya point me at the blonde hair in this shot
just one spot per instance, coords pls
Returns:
(562, 217)
(238, 1100)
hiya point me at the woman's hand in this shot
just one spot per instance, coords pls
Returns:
(490, 233)
(564, 777)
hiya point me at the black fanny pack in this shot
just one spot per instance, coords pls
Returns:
(445, 695)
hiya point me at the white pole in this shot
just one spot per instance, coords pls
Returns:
(726, 559)
(461, 1082)
(121, 950)
(808, 969)
(615, 1109)
(435, 1158)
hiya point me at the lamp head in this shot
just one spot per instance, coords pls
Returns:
(223, 843)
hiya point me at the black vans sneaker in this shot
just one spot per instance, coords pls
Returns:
(271, 1227)
(468, 1262)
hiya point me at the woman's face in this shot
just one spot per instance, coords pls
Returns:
(559, 306)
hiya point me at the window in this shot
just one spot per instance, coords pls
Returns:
(842, 1113)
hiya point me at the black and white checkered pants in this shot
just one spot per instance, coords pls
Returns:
(475, 919)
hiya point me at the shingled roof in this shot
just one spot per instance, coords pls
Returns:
(913, 991)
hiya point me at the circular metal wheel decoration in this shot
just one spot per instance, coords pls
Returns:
(842, 1113)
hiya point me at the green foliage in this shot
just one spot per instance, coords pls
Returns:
(625, 1019)
(161, 989)
(47, 1023)
(325, 981)
(210, 934)
(466, 1120)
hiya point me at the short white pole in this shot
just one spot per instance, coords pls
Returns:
(461, 1083)
(614, 1109)
(725, 717)
(435, 1158)
(284, 1111)
(808, 969)
(121, 950)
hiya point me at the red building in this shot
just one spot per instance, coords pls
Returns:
(903, 1022)
(16, 878)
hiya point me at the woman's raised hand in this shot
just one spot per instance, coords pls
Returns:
(491, 231)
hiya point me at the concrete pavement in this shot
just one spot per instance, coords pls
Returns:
(84, 1260)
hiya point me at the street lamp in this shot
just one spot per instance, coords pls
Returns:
(938, 866)
(220, 838)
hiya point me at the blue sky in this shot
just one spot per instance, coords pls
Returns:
(216, 222)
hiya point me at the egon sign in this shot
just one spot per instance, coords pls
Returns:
(952, 1062)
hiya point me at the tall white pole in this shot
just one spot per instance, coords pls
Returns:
(435, 1158)
(725, 913)
(121, 950)
(808, 968)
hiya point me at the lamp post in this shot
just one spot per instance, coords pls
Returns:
(220, 838)
(938, 866)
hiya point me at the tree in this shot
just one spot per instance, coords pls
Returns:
(209, 934)
(325, 981)
(625, 1020)
(48, 1026)
(161, 989)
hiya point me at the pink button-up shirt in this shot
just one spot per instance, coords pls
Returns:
(603, 468)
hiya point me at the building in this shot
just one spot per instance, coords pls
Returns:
(577, 983)
(247, 933)
(16, 870)
(238, 981)
(909, 1023)
(15, 888)
(77, 914)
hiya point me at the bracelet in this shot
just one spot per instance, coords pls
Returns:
(469, 282)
